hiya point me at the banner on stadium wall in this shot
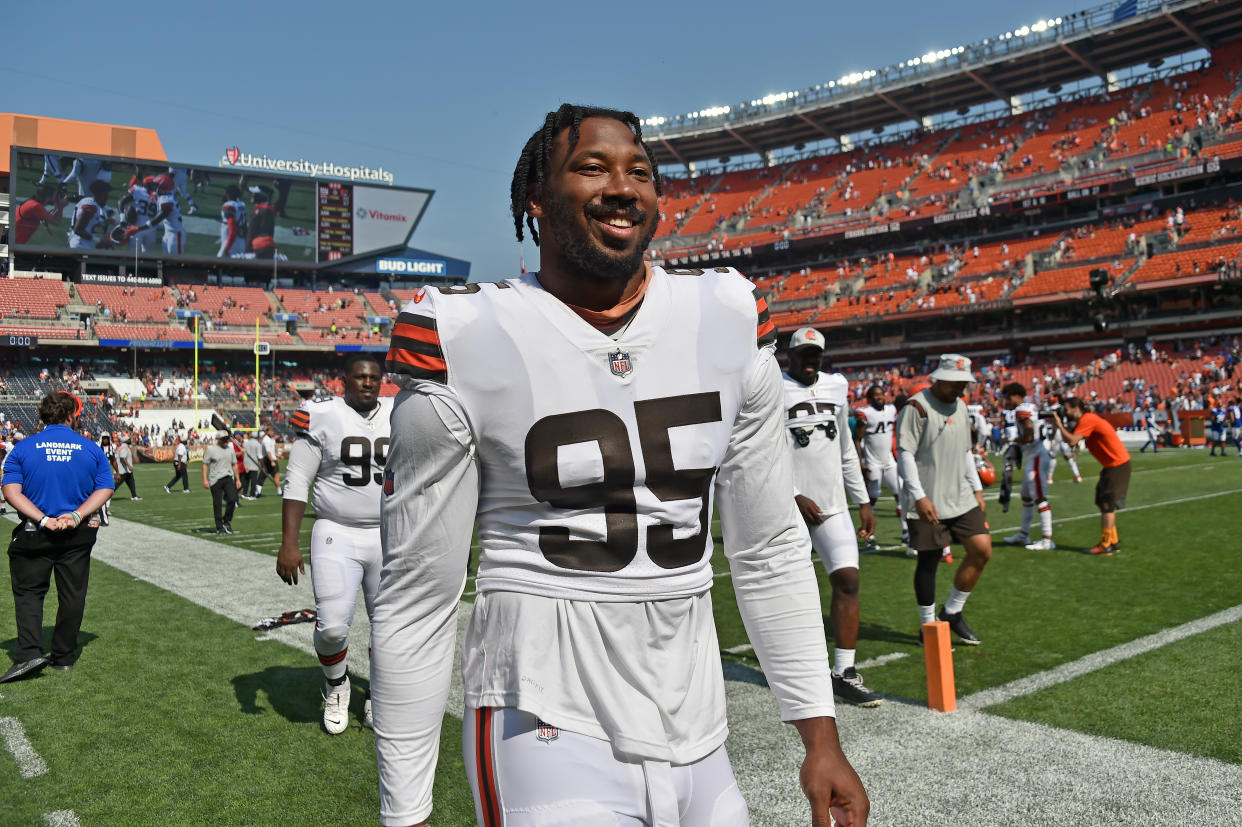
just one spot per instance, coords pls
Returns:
(411, 267)
(128, 279)
(164, 453)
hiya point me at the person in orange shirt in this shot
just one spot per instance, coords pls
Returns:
(1104, 444)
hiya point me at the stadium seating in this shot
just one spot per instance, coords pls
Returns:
(129, 304)
(322, 309)
(1066, 280)
(22, 298)
(1202, 261)
(231, 305)
(113, 330)
(16, 328)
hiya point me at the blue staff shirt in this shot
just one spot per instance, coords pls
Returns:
(57, 469)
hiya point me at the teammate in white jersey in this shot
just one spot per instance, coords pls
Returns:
(1035, 461)
(90, 219)
(138, 207)
(1011, 453)
(1057, 446)
(590, 415)
(873, 435)
(341, 448)
(232, 223)
(826, 468)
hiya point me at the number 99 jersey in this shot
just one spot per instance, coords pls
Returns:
(352, 448)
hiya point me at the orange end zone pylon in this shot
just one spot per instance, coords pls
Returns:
(941, 688)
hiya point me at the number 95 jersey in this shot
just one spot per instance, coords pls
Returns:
(352, 448)
(597, 455)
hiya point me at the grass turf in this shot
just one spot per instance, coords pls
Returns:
(177, 715)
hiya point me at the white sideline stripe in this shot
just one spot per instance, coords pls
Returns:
(1132, 508)
(61, 818)
(879, 660)
(1097, 660)
(29, 764)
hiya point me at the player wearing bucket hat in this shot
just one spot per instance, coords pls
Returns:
(941, 492)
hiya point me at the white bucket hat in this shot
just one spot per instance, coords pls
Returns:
(953, 368)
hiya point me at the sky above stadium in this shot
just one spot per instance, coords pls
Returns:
(444, 95)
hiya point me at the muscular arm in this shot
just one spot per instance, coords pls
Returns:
(425, 526)
(304, 457)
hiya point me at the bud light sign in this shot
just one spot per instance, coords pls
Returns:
(411, 267)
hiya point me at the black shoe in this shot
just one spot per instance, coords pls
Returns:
(220, 531)
(951, 649)
(63, 667)
(228, 528)
(957, 625)
(25, 667)
(135, 499)
(849, 687)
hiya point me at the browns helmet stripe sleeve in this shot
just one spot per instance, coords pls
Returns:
(300, 420)
(765, 330)
(415, 349)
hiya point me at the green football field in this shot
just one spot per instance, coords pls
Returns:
(181, 714)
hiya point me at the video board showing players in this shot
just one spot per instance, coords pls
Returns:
(114, 206)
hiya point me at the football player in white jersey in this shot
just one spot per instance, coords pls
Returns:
(341, 448)
(169, 214)
(1034, 469)
(1011, 453)
(232, 223)
(826, 469)
(90, 218)
(138, 207)
(1057, 446)
(590, 415)
(873, 436)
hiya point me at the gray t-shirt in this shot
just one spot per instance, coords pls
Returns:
(252, 454)
(219, 462)
(125, 459)
(939, 442)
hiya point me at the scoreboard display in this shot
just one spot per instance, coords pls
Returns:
(336, 220)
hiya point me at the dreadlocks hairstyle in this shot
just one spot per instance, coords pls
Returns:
(532, 165)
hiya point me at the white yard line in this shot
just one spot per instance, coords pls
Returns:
(1097, 660)
(29, 764)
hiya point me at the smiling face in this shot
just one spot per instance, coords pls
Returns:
(597, 207)
(876, 397)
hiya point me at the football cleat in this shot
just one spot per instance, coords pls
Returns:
(1019, 539)
(910, 552)
(957, 625)
(1105, 549)
(23, 668)
(946, 556)
(367, 721)
(228, 528)
(869, 546)
(167, 490)
(135, 499)
(336, 707)
(849, 687)
(1042, 544)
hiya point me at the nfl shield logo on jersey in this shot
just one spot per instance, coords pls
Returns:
(619, 363)
(546, 732)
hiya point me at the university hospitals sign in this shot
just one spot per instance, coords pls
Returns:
(234, 157)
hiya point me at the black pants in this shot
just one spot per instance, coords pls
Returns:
(250, 481)
(180, 472)
(223, 493)
(33, 558)
(128, 479)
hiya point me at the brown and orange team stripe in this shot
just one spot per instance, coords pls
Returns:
(332, 660)
(415, 349)
(485, 768)
(300, 420)
(765, 330)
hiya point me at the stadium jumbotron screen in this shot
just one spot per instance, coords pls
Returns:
(115, 206)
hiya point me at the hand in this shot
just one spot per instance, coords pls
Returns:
(831, 785)
(132, 231)
(64, 522)
(808, 509)
(205, 485)
(983, 506)
(289, 563)
(927, 510)
(52, 524)
(866, 515)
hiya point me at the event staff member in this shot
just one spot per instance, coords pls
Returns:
(57, 480)
(125, 466)
(1105, 446)
(181, 471)
(221, 477)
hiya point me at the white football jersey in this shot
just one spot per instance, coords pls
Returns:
(97, 216)
(825, 463)
(237, 211)
(1010, 419)
(598, 467)
(353, 449)
(1046, 433)
(877, 444)
(144, 206)
(1028, 412)
(173, 221)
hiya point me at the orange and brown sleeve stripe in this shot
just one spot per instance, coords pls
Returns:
(415, 349)
(300, 420)
(765, 330)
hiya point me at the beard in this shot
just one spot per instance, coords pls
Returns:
(588, 257)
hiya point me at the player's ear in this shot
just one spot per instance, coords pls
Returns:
(534, 201)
